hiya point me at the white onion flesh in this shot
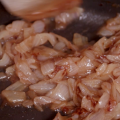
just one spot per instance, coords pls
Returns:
(14, 96)
(42, 87)
(61, 92)
(17, 86)
(5, 60)
(47, 67)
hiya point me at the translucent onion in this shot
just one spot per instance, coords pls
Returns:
(14, 96)
(80, 40)
(25, 73)
(5, 60)
(43, 100)
(113, 58)
(104, 31)
(106, 87)
(110, 68)
(39, 74)
(8, 50)
(101, 68)
(59, 76)
(61, 92)
(27, 103)
(103, 101)
(27, 32)
(38, 26)
(114, 114)
(47, 67)
(5, 34)
(71, 85)
(67, 43)
(34, 41)
(87, 104)
(43, 53)
(94, 83)
(72, 69)
(60, 117)
(84, 90)
(59, 46)
(17, 86)
(16, 26)
(10, 70)
(99, 115)
(42, 87)
(117, 83)
(63, 19)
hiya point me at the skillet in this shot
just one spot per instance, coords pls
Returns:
(96, 12)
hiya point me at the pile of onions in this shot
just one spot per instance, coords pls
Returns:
(79, 79)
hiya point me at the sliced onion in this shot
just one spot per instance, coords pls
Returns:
(110, 68)
(43, 38)
(59, 46)
(47, 67)
(69, 106)
(104, 31)
(5, 60)
(14, 96)
(25, 73)
(43, 100)
(67, 43)
(42, 87)
(43, 53)
(116, 72)
(117, 83)
(60, 117)
(63, 19)
(27, 32)
(106, 87)
(73, 68)
(59, 76)
(87, 104)
(84, 90)
(113, 58)
(39, 74)
(17, 86)
(61, 92)
(16, 26)
(31, 94)
(5, 34)
(103, 101)
(38, 26)
(114, 114)
(10, 70)
(94, 83)
(34, 41)
(99, 115)
(71, 85)
(27, 103)
(8, 50)
(101, 68)
(80, 40)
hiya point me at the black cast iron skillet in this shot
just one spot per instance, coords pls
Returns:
(95, 14)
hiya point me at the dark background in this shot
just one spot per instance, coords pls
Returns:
(95, 15)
